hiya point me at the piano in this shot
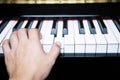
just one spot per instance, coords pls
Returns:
(89, 33)
(81, 32)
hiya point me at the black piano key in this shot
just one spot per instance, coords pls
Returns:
(117, 23)
(91, 27)
(54, 28)
(102, 26)
(54, 32)
(39, 24)
(18, 25)
(3, 25)
(30, 22)
(54, 23)
(65, 27)
(81, 27)
(29, 25)
(65, 31)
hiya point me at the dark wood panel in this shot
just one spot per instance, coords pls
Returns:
(77, 68)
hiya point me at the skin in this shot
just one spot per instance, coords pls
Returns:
(25, 58)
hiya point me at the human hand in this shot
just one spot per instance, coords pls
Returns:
(25, 58)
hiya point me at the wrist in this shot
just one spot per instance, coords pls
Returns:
(21, 77)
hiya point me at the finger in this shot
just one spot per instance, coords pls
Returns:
(22, 35)
(14, 40)
(40, 35)
(34, 34)
(54, 52)
(6, 47)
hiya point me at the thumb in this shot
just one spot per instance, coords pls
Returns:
(54, 52)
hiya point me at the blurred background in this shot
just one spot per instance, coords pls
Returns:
(54, 1)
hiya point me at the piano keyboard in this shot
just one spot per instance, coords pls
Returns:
(79, 36)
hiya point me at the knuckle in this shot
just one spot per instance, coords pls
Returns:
(20, 31)
(13, 36)
(33, 30)
(5, 42)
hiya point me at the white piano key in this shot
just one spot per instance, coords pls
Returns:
(89, 41)
(60, 28)
(8, 33)
(76, 27)
(34, 24)
(48, 38)
(43, 29)
(101, 42)
(6, 29)
(48, 42)
(86, 26)
(116, 32)
(79, 40)
(69, 46)
(24, 23)
(1, 51)
(59, 36)
(111, 40)
(70, 28)
(69, 40)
